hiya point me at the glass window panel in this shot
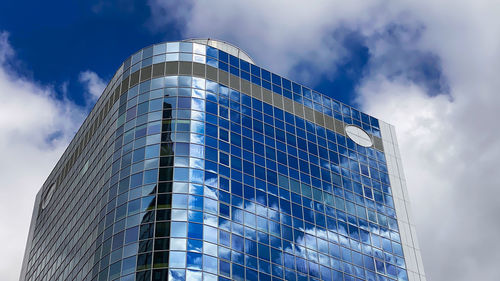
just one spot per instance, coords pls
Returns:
(172, 57)
(177, 259)
(210, 264)
(194, 261)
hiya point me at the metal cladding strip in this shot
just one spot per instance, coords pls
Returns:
(409, 241)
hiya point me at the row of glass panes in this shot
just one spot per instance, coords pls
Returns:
(352, 208)
(139, 176)
(311, 99)
(155, 124)
(122, 118)
(151, 117)
(237, 272)
(180, 231)
(184, 233)
(179, 228)
(180, 259)
(176, 204)
(194, 92)
(147, 200)
(186, 218)
(151, 163)
(358, 187)
(117, 155)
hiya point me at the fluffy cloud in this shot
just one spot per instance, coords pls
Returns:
(277, 34)
(431, 72)
(450, 153)
(449, 142)
(35, 128)
(93, 84)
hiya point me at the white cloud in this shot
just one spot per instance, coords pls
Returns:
(277, 34)
(93, 84)
(449, 143)
(35, 128)
(432, 72)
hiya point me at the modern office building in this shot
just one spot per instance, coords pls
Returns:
(196, 164)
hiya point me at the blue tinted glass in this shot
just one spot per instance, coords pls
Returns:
(209, 264)
(223, 56)
(212, 62)
(194, 260)
(177, 259)
(234, 61)
(223, 66)
(266, 75)
(178, 229)
(256, 80)
(245, 66)
(276, 79)
(234, 71)
(245, 75)
(212, 52)
(255, 70)
(186, 47)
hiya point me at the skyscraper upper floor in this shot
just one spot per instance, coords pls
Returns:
(196, 164)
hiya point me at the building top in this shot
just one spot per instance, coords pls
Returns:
(236, 63)
(224, 46)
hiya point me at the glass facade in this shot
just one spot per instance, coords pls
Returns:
(198, 165)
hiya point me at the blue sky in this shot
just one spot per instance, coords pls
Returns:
(55, 41)
(428, 67)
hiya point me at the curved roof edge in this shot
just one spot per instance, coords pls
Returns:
(224, 46)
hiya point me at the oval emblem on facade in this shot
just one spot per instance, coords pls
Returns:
(358, 135)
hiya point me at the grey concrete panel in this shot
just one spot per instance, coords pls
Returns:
(309, 114)
(134, 78)
(172, 68)
(146, 73)
(185, 68)
(318, 117)
(267, 96)
(329, 123)
(278, 100)
(339, 127)
(212, 73)
(245, 87)
(223, 77)
(288, 105)
(199, 69)
(299, 109)
(159, 69)
(234, 82)
(124, 86)
(377, 143)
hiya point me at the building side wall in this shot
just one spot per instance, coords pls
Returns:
(407, 228)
